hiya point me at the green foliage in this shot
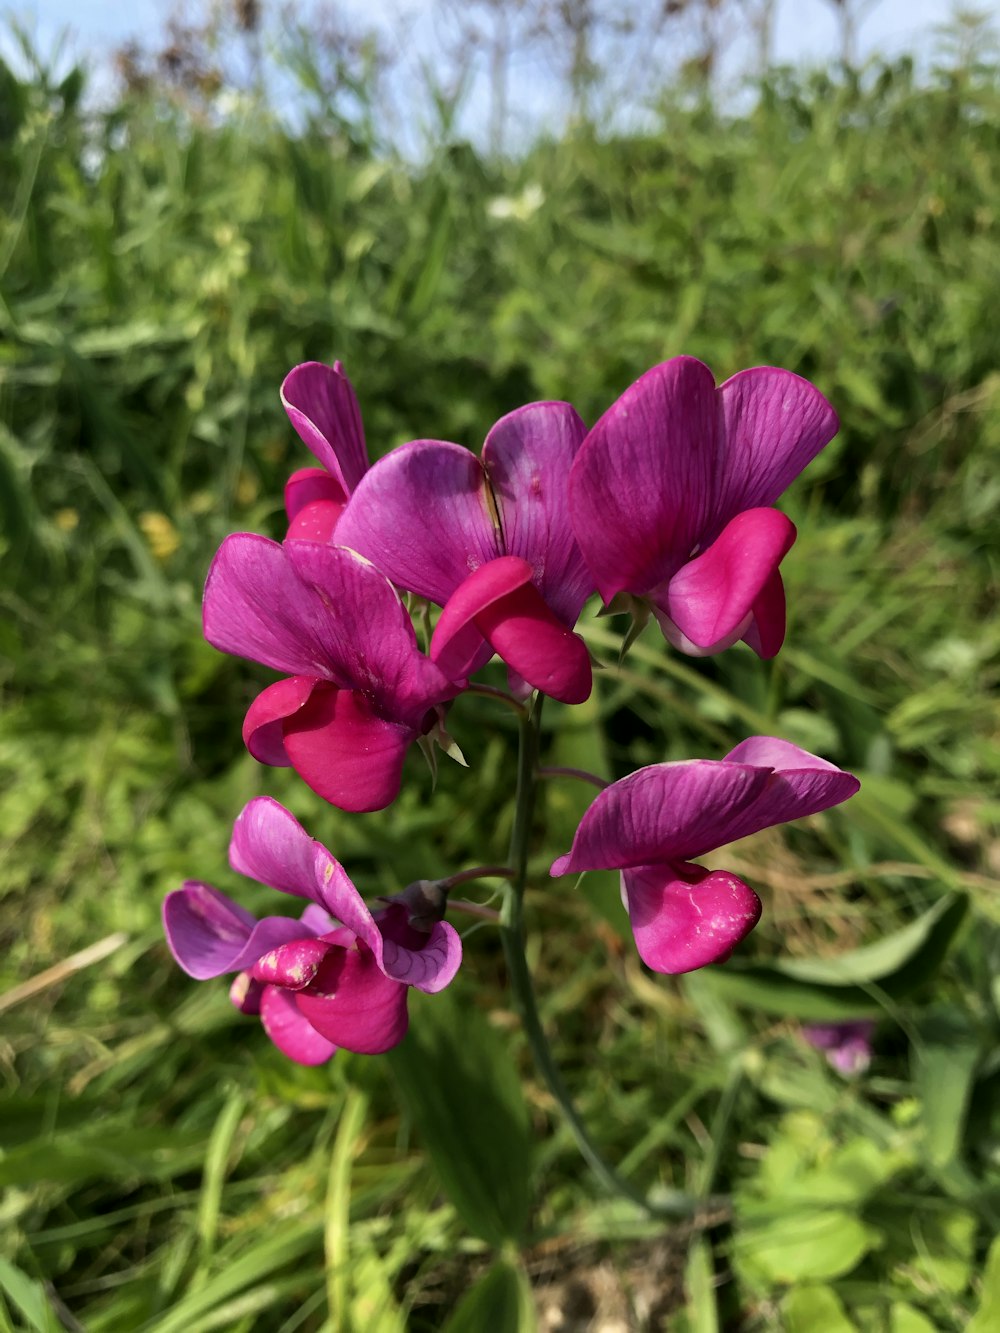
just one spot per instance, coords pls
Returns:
(162, 1166)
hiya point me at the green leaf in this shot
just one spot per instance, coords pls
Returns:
(987, 1317)
(945, 1055)
(945, 1245)
(29, 1298)
(461, 1087)
(905, 1318)
(500, 1302)
(803, 1245)
(831, 989)
(809, 1309)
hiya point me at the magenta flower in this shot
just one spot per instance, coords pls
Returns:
(322, 406)
(357, 692)
(651, 824)
(847, 1044)
(490, 542)
(671, 498)
(339, 976)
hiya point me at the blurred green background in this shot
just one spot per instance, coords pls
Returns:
(166, 255)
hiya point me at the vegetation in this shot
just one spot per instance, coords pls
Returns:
(162, 266)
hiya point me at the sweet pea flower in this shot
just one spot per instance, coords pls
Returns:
(358, 691)
(490, 542)
(322, 406)
(672, 493)
(337, 977)
(847, 1045)
(651, 824)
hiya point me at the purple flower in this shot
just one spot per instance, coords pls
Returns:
(671, 498)
(847, 1045)
(358, 690)
(322, 406)
(652, 823)
(490, 542)
(338, 977)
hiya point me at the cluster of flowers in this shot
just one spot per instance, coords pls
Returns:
(664, 508)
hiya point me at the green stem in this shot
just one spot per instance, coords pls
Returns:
(673, 1204)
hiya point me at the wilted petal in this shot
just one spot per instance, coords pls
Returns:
(353, 1004)
(710, 599)
(684, 917)
(666, 812)
(208, 934)
(271, 846)
(345, 752)
(428, 961)
(321, 405)
(422, 515)
(263, 724)
(775, 424)
(501, 604)
(293, 1035)
(245, 993)
(528, 455)
(291, 965)
(641, 486)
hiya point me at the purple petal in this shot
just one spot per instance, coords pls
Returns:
(528, 455)
(681, 924)
(354, 1004)
(271, 846)
(427, 961)
(345, 752)
(499, 603)
(422, 515)
(711, 599)
(293, 1035)
(641, 486)
(208, 934)
(321, 405)
(369, 638)
(775, 424)
(245, 993)
(666, 812)
(802, 784)
(262, 726)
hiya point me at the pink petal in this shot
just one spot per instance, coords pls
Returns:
(665, 812)
(262, 726)
(353, 1004)
(499, 603)
(245, 993)
(422, 515)
(322, 406)
(528, 455)
(310, 485)
(766, 632)
(208, 934)
(271, 846)
(640, 490)
(711, 598)
(345, 752)
(427, 961)
(683, 923)
(293, 1035)
(294, 964)
(775, 424)
(316, 522)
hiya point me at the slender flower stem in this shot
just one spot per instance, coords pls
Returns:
(477, 872)
(473, 909)
(491, 692)
(581, 773)
(674, 1204)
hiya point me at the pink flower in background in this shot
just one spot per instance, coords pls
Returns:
(651, 824)
(322, 406)
(488, 541)
(358, 691)
(671, 498)
(847, 1045)
(339, 976)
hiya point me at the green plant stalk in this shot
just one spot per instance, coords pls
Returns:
(512, 932)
